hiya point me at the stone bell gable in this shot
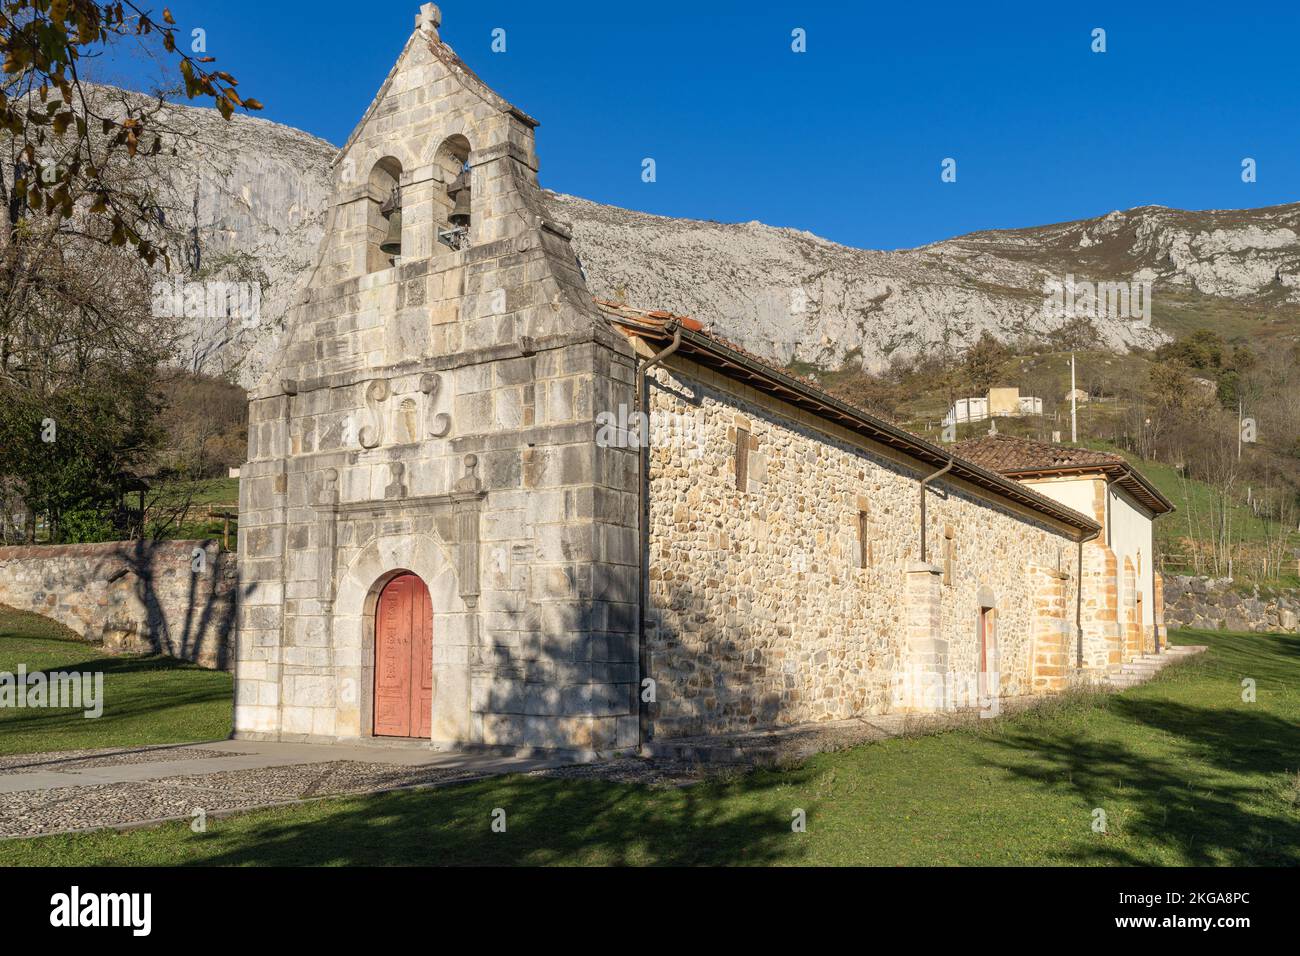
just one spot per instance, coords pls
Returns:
(432, 414)
(506, 276)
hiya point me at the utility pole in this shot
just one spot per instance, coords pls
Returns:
(1074, 407)
(1239, 424)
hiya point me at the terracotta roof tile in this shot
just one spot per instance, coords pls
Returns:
(623, 312)
(1010, 455)
(1027, 458)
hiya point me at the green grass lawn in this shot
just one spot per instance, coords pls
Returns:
(147, 700)
(219, 493)
(1185, 771)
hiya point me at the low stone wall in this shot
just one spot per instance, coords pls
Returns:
(132, 596)
(1212, 604)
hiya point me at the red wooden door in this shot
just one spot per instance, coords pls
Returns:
(404, 659)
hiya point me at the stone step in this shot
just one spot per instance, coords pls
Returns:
(1142, 668)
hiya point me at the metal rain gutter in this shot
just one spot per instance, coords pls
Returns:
(924, 482)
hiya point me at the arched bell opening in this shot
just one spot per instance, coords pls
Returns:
(384, 215)
(453, 206)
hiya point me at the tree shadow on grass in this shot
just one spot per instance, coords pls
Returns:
(1240, 740)
(1198, 804)
(547, 821)
(153, 691)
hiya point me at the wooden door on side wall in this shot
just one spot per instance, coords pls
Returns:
(404, 659)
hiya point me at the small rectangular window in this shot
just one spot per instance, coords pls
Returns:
(949, 556)
(742, 459)
(864, 540)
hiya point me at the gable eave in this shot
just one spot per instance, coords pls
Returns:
(448, 57)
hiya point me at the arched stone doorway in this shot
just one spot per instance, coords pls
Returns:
(403, 692)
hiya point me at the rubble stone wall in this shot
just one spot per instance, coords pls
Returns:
(141, 597)
(761, 611)
(1213, 604)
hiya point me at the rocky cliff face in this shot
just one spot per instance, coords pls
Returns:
(246, 201)
(258, 193)
(791, 295)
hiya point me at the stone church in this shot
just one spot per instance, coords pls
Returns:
(481, 508)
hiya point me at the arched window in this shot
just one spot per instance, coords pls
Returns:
(451, 204)
(384, 215)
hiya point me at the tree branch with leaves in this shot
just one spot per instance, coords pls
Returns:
(56, 124)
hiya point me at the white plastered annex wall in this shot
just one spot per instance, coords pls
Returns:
(1129, 527)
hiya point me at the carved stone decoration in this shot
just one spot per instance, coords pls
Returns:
(395, 488)
(469, 483)
(330, 487)
(440, 422)
(467, 499)
(429, 18)
(407, 418)
(327, 531)
(376, 394)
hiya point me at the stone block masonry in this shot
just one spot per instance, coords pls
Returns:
(178, 598)
(432, 414)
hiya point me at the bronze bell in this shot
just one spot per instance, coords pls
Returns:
(392, 244)
(459, 192)
(392, 210)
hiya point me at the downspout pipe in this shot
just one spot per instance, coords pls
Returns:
(924, 482)
(643, 527)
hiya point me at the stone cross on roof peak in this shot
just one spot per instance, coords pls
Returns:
(429, 18)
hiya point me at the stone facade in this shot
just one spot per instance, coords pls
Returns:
(766, 608)
(433, 414)
(142, 597)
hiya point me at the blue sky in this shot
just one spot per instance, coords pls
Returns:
(847, 139)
